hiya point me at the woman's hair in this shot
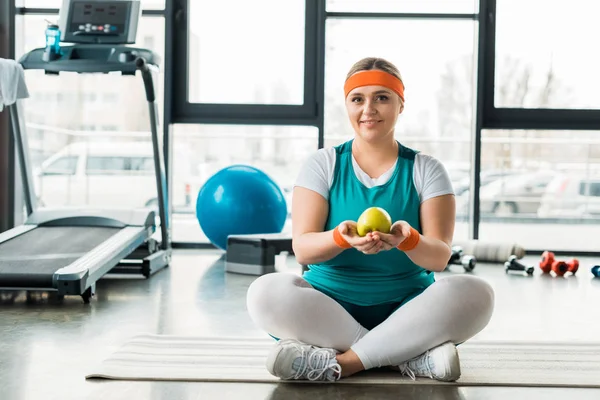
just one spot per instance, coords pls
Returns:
(370, 63)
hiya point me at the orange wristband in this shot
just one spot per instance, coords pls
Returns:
(411, 241)
(339, 239)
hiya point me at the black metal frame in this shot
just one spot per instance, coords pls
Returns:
(53, 11)
(7, 187)
(383, 15)
(178, 110)
(168, 96)
(482, 81)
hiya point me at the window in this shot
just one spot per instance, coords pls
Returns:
(62, 166)
(279, 151)
(594, 189)
(589, 188)
(539, 202)
(143, 164)
(410, 6)
(438, 113)
(539, 57)
(105, 165)
(243, 52)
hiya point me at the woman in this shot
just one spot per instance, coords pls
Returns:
(370, 301)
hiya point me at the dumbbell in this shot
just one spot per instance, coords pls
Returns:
(596, 271)
(457, 258)
(549, 263)
(513, 265)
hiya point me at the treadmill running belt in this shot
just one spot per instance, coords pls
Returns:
(36, 255)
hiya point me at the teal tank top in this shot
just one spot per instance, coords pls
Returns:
(386, 277)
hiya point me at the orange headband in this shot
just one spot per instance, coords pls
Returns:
(374, 77)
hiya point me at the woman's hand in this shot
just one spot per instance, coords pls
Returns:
(368, 244)
(399, 231)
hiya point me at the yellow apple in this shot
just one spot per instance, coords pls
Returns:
(374, 219)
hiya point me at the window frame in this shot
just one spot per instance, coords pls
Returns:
(10, 192)
(522, 118)
(184, 111)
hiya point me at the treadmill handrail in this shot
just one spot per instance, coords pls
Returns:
(159, 164)
(142, 65)
(22, 153)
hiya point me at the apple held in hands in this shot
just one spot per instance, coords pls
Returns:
(374, 219)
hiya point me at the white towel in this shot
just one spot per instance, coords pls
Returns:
(12, 83)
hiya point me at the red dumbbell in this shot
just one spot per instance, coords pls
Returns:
(549, 263)
(546, 262)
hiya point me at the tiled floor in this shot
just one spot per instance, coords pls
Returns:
(46, 347)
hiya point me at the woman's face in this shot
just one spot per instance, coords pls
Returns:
(373, 111)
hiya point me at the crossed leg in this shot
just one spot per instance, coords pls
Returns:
(452, 309)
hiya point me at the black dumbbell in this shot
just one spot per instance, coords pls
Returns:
(457, 258)
(513, 265)
(596, 271)
(456, 255)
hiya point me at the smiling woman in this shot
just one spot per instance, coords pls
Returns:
(358, 280)
(374, 98)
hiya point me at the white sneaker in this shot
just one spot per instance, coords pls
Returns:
(440, 363)
(291, 359)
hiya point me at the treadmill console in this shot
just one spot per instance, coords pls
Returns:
(99, 21)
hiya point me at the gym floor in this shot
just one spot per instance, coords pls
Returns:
(47, 346)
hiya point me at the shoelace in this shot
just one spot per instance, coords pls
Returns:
(405, 370)
(315, 364)
(416, 365)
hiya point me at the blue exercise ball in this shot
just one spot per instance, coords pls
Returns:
(239, 199)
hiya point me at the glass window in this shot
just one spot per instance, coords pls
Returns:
(405, 6)
(594, 189)
(146, 4)
(62, 166)
(145, 164)
(234, 58)
(279, 151)
(105, 165)
(589, 188)
(438, 112)
(540, 203)
(539, 57)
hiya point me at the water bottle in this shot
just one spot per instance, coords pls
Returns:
(52, 51)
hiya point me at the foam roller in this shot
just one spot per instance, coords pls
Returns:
(490, 251)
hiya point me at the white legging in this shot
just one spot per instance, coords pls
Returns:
(452, 309)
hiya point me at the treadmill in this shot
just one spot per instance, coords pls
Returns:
(68, 250)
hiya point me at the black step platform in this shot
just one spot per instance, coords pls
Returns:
(255, 254)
